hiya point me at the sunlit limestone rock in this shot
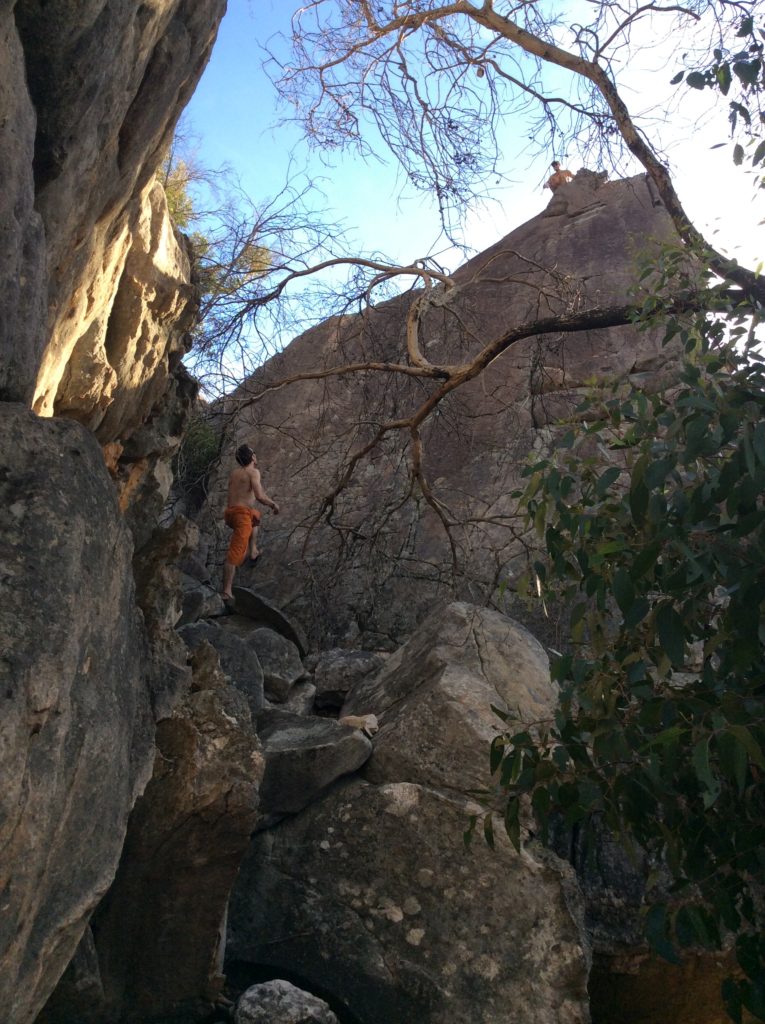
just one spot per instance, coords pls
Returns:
(131, 325)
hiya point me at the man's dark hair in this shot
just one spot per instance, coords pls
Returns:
(555, 163)
(244, 455)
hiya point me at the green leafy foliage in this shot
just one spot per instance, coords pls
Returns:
(177, 178)
(196, 457)
(738, 72)
(651, 519)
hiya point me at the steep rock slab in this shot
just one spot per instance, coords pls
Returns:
(159, 929)
(136, 319)
(433, 697)
(371, 895)
(79, 995)
(303, 757)
(368, 577)
(76, 728)
(262, 612)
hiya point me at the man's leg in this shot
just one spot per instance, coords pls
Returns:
(253, 551)
(228, 579)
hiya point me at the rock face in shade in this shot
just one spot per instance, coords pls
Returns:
(22, 253)
(304, 755)
(95, 303)
(338, 671)
(280, 661)
(238, 659)
(371, 895)
(369, 577)
(160, 927)
(76, 729)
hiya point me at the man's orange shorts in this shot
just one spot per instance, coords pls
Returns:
(241, 519)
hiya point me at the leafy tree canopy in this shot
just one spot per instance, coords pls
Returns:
(651, 520)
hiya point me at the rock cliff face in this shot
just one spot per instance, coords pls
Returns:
(95, 303)
(76, 727)
(130, 765)
(372, 567)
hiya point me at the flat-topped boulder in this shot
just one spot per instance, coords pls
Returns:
(304, 755)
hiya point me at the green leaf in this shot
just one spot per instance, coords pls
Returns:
(759, 153)
(748, 71)
(750, 744)
(758, 438)
(678, 78)
(639, 502)
(496, 753)
(733, 759)
(746, 439)
(701, 764)
(606, 479)
(637, 613)
(696, 80)
(645, 560)
(669, 627)
(724, 78)
(467, 835)
(738, 155)
(623, 590)
(488, 831)
(512, 823)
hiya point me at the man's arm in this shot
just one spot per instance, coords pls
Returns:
(260, 494)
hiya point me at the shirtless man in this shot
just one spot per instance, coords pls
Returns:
(559, 177)
(244, 489)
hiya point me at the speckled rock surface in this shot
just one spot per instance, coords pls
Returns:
(338, 671)
(76, 729)
(280, 660)
(158, 930)
(372, 895)
(303, 756)
(238, 660)
(433, 697)
(279, 1002)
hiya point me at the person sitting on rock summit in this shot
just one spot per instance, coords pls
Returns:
(560, 176)
(244, 489)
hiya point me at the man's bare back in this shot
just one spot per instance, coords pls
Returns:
(245, 488)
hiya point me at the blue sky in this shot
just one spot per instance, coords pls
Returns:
(233, 114)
